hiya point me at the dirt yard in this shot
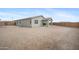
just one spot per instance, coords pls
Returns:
(43, 38)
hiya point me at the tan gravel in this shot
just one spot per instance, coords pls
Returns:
(42, 38)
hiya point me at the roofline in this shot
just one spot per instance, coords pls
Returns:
(28, 18)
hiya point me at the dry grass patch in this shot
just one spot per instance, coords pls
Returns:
(52, 37)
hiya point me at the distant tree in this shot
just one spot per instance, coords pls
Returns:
(6, 23)
(0, 19)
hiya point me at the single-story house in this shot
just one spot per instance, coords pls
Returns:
(36, 21)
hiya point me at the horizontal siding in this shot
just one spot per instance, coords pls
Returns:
(23, 23)
(39, 22)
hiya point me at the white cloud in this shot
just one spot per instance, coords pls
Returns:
(10, 15)
(67, 15)
(56, 15)
(61, 16)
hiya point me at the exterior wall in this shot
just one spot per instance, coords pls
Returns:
(48, 23)
(39, 22)
(26, 23)
(23, 23)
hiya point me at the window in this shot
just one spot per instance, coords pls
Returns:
(30, 21)
(44, 24)
(36, 21)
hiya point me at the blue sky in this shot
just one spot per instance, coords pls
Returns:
(57, 14)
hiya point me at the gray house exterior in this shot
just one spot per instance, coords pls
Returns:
(36, 21)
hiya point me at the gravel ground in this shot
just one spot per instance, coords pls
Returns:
(43, 38)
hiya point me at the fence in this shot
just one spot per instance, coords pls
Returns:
(7, 23)
(68, 24)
